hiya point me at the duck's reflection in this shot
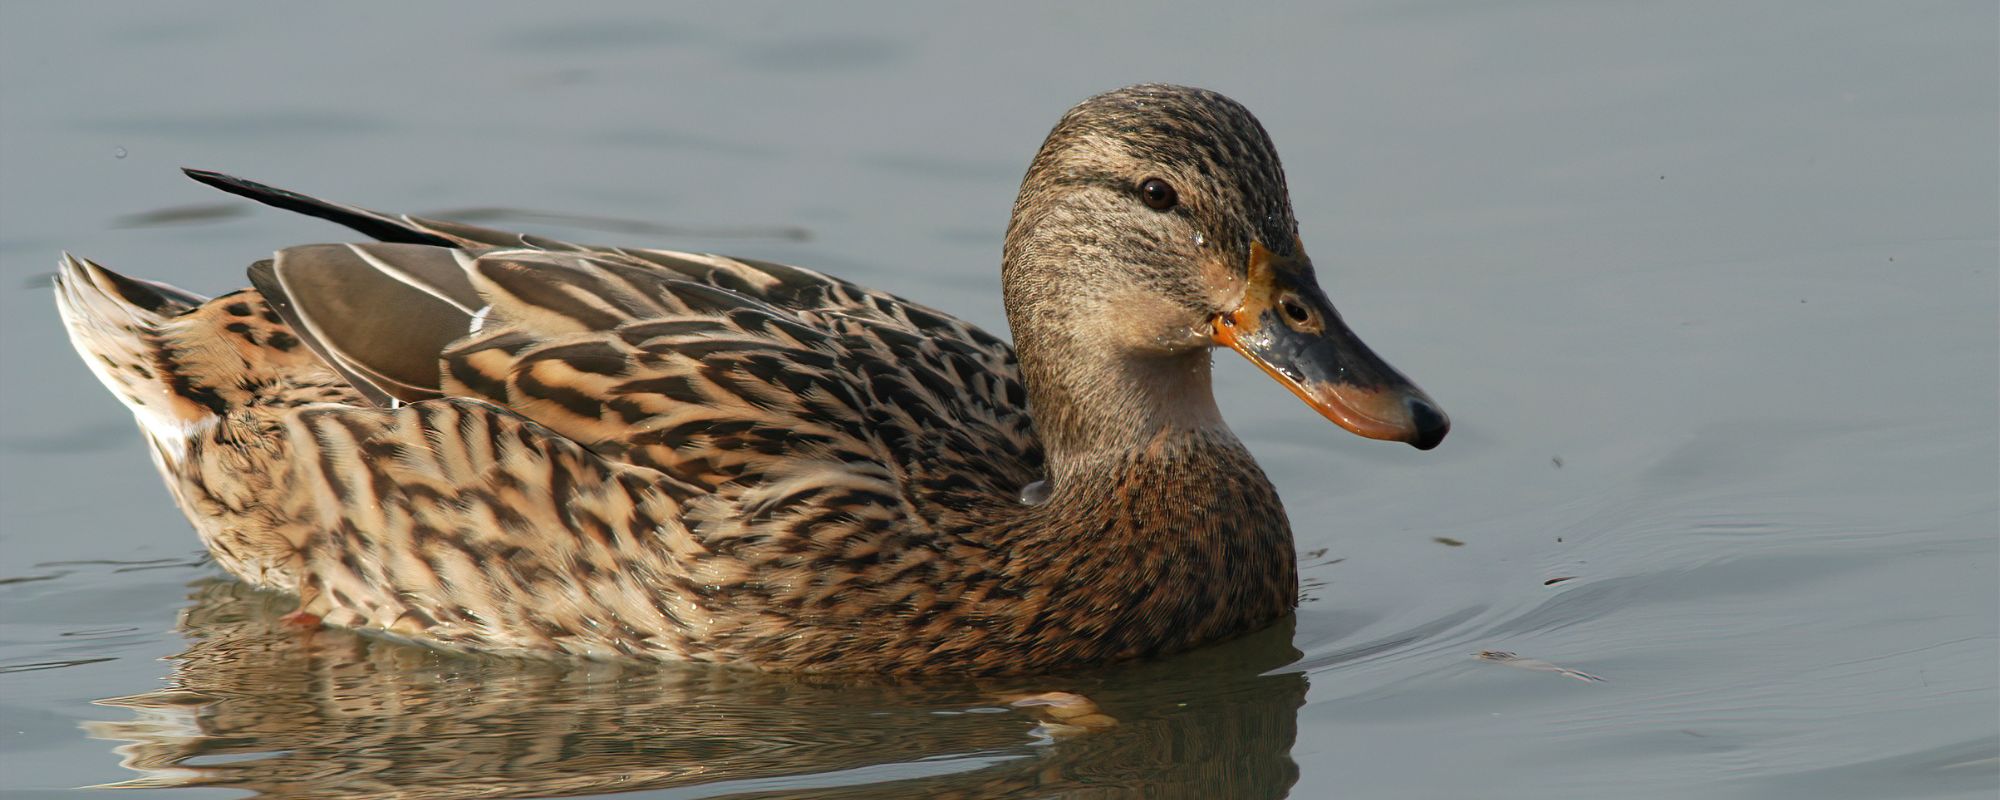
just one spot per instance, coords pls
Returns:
(255, 705)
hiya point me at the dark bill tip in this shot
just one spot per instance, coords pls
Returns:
(1430, 424)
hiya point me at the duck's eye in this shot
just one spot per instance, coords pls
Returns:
(1158, 194)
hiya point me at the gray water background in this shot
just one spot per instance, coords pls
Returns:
(1708, 288)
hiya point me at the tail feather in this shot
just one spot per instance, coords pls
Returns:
(393, 228)
(361, 220)
(181, 362)
(115, 323)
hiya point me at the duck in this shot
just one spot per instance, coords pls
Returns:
(480, 440)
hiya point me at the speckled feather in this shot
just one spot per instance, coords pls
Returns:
(534, 447)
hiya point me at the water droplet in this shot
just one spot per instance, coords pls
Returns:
(1035, 494)
(1200, 240)
(118, 153)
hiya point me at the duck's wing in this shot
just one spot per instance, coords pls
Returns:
(713, 369)
(779, 286)
(771, 403)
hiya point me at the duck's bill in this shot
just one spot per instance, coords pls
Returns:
(1287, 327)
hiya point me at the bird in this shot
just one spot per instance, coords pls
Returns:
(481, 440)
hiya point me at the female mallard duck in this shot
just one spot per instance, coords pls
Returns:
(500, 442)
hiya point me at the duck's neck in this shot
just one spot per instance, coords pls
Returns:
(1092, 411)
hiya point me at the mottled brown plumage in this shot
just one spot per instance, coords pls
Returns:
(498, 442)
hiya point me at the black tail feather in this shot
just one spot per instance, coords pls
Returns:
(379, 226)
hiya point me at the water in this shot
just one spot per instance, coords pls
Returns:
(1708, 288)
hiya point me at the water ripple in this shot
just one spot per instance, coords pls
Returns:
(42, 665)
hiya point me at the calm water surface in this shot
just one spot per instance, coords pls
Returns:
(1708, 288)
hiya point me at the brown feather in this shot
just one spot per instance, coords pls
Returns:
(662, 455)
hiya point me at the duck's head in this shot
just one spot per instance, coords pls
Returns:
(1154, 224)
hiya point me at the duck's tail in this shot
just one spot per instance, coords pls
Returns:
(181, 362)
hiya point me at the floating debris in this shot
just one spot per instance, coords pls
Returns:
(1554, 581)
(1447, 541)
(1517, 662)
(1064, 713)
(1556, 460)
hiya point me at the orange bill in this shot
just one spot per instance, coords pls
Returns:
(1287, 327)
